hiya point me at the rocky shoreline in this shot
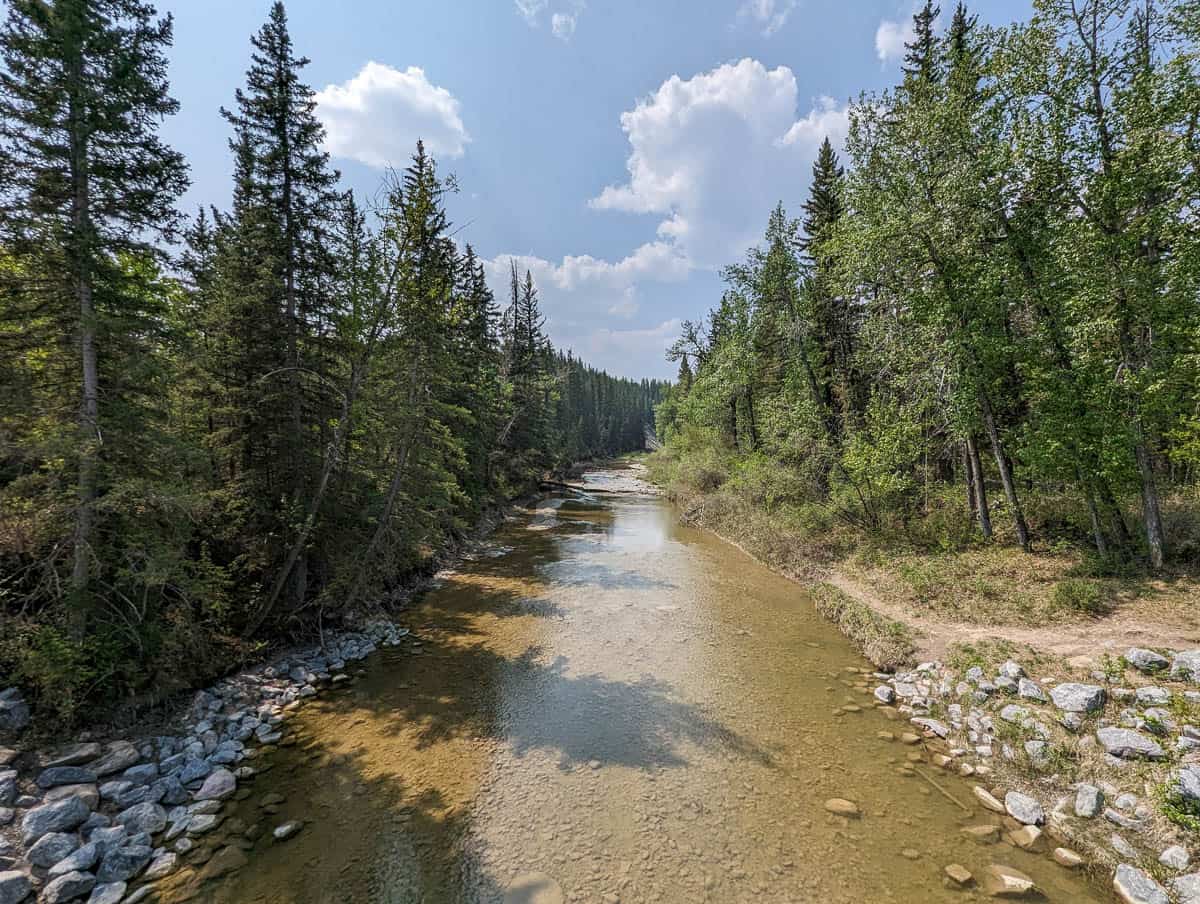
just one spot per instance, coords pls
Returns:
(107, 824)
(1099, 771)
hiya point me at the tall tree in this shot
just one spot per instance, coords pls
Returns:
(88, 182)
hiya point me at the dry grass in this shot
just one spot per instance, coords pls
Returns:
(886, 643)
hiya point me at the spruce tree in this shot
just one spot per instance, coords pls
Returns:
(921, 63)
(87, 184)
(280, 234)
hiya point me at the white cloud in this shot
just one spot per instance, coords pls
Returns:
(769, 15)
(564, 14)
(377, 116)
(890, 38)
(713, 153)
(581, 295)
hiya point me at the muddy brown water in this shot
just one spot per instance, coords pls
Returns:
(634, 710)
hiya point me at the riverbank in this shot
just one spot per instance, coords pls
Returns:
(1090, 718)
(136, 804)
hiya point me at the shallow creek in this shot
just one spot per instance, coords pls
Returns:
(633, 709)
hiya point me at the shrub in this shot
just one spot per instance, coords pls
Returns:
(1079, 595)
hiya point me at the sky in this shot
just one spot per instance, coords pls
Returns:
(623, 151)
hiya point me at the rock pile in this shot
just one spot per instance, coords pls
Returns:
(103, 823)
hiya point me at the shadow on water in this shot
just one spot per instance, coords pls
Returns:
(384, 771)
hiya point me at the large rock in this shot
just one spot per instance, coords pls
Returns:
(124, 863)
(1024, 809)
(1136, 887)
(81, 861)
(14, 887)
(225, 861)
(1186, 665)
(109, 893)
(68, 888)
(163, 865)
(1002, 881)
(1146, 660)
(1089, 801)
(1129, 744)
(1187, 888)
(59, 816)
(8, 787)
(14, 711)
(1078, 698)
(75, 755)
(121, 755)
(147, 817)
(1030, 690)
(65, 775)
(219, 785)
(51, 848)
(1185, 784)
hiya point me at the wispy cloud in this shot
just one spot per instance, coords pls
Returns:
(563, 15)
(768, 15)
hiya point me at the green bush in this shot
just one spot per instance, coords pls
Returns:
(1079, 595)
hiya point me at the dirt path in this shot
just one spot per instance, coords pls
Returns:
(1081, 643)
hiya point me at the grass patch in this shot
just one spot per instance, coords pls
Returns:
(989, 654)
(888, 644)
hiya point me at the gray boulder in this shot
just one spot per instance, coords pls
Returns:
(65, 775)
(1185, 784)
(59, 816)
(1146, 660)
(1024, 809)
(51, 848)
(124, 863)
(1073, 697)
(1186, 665)
(1128, 744)
(76, 754)
(68, 887)
(146, 817)
(1012, 670)
(14, 711)
(1030, 690)
(14, 887)
(1153, 696)
(1089, 801)
(1136, 887)
(121, 755)
(79, 862)
(218, 786)
(108, 893)
(8, 787)
(1187, 888)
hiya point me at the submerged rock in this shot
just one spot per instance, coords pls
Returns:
(533, 888)
(842, 807)
(1002, 881)
(1024, 809)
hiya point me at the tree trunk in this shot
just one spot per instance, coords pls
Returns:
(969, 474)
(1150, 511)
(89, 410)
(981, 500)
(1006, 477)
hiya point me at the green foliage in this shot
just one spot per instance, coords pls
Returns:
(1079, 595)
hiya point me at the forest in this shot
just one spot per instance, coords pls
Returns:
(984, 327)
(221, 430)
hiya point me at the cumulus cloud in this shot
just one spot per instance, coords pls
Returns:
(713, 153)
(769, 15)
(890, 38)
(564, 15)
(377, 116)
(581, 295)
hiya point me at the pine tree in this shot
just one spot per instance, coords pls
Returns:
(284, 199)
(921, 63)
(88, 184)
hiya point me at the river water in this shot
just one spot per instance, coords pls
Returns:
(608, 706)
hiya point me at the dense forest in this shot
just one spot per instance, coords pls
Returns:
(986, 324)
(223, 429)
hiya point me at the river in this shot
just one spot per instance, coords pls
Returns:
(605, 704)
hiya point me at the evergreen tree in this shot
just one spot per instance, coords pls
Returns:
(88, 187)
(922, 66)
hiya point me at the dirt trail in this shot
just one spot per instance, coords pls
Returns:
(1081, 643)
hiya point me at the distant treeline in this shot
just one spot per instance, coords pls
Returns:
(274, 426)
(991, 308)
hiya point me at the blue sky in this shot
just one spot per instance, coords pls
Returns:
(622, 150)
